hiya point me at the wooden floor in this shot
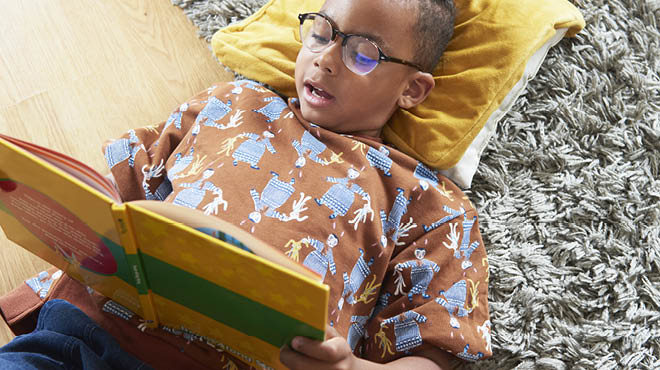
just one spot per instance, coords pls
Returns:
(74, 73)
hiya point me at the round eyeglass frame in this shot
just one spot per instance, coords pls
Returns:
(382, 57)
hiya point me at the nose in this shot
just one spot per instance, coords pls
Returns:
(329, 59)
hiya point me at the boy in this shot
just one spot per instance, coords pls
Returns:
(398, 245)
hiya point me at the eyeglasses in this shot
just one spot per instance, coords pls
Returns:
(359, 54)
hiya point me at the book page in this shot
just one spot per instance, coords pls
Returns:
(71, 166)
(57, 227)
(64, 221)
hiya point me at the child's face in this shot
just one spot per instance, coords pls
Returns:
(351, 103)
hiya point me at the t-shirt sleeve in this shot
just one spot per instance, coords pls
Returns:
(435, 294)
(138, 158)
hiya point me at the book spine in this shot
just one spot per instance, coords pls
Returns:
(126, 235)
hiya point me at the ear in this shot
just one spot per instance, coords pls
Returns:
(418, 88)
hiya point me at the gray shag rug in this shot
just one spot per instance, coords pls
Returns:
(568, 192)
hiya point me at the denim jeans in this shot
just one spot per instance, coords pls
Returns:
(66, 338)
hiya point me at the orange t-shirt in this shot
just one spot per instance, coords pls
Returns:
(398, 244)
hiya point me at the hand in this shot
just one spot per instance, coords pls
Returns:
(333, 353)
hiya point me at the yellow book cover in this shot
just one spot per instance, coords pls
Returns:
(173, 266)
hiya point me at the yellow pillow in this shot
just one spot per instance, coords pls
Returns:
(497, 47)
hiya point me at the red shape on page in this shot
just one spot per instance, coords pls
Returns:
(57, 227)
(7, 185)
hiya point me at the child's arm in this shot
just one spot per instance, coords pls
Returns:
(137, 159)
(335, 353)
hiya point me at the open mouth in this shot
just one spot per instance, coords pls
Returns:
(316, 95)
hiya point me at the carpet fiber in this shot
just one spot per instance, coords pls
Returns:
(568, 193)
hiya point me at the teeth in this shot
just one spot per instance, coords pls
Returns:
(315, 92)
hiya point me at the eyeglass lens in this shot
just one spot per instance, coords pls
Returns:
(358, 53)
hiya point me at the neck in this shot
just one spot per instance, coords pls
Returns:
(372, 134)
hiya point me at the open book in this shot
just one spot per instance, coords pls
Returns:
(171, 265)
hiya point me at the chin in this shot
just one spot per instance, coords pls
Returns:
(314, 116)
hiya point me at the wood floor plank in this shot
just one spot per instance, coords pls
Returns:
(74, 73)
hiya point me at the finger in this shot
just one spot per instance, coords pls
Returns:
(297, 361)
(331, 332)
(333, 349)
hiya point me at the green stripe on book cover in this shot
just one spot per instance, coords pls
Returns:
(223, 305)
(123, 270)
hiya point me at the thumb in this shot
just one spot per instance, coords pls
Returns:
(331, 332)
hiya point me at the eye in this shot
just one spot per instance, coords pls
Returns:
(363, 59)
(320, 39)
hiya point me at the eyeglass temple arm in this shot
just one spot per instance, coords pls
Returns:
(400, 61)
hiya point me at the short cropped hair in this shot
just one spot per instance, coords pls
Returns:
(434, 28)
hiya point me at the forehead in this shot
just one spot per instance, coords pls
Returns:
(387, 22)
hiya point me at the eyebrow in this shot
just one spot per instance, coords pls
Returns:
(375, 38)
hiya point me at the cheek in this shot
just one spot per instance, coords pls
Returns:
(367, 96)
(387, 91)
(304, 60)
(299, 71)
